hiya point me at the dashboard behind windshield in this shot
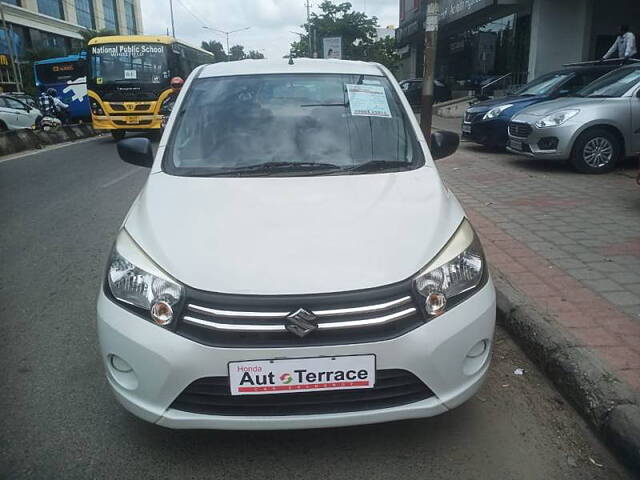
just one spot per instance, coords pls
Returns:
(133, 63)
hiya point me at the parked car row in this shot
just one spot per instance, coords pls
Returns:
(588, 115)
(18, 110)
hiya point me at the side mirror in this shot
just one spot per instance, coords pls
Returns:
(443, 144)
(136, 151)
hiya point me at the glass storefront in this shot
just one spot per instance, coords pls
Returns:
(472, 57)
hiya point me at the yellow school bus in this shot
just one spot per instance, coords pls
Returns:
(128, 79)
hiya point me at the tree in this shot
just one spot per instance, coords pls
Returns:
(358, 33)
(237, 53)
(384, 51)
(256, 55)
(216, 48)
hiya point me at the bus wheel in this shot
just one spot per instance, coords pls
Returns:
(118, 134)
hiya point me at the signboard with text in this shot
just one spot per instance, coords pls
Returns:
(332, 47)
(451, 10)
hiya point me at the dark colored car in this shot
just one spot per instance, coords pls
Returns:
(486, 122)
(413, 91)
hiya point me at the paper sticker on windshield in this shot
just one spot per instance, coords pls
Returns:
(371, 82)
(156, 79)
(368, 101)
(130, 74)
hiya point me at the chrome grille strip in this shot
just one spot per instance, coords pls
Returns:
(319, 313)
(367, 322)
(365, 309)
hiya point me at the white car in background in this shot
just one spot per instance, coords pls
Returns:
(15, 114)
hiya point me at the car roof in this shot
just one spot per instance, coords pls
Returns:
(300, 65)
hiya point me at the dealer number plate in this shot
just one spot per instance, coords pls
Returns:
(260, 377)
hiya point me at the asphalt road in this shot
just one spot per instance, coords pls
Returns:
(60, 210)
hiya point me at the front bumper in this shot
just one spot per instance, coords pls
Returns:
(164, 364)
(564, 135)
(491, 133)
(115, 122)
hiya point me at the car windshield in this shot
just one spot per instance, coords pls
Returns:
(129, 63)
(544, 85)
(291, 125)
(614, 84)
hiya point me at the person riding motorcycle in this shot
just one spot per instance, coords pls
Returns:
(51, 106)
(169, 102)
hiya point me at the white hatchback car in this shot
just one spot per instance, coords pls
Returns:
(294, 259)
(15, 114)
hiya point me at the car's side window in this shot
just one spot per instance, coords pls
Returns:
(14, 104)
(3, 102)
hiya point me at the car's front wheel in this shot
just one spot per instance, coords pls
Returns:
(596, 151)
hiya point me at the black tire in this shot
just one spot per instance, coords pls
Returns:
(3, 127)
(118, 134)
(596, 151)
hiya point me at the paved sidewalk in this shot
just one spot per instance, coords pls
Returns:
(569, 242)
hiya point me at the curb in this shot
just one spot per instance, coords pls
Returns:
(16, 141)
(610, 406)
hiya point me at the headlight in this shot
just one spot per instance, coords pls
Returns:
(496, 112)
(557, 118)
(457, 270)
(135, 280)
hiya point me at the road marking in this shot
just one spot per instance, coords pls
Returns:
(122, 177)
(48, 149)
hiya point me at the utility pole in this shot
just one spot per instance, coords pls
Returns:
(173, 25)
(14, 57)
(430, 44)
(224, 32)
(308, 5)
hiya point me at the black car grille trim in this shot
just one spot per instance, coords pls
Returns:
(212, 396)
(259, 321)
(521, 130)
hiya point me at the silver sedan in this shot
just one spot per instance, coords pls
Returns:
(593, 130)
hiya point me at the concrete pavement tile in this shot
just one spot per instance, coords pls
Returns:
(596, 337)
(620, 357)
(622, 298)
(606, 267)
(585, 273)
(603, 285)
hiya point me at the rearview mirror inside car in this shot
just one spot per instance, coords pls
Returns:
(136, 151)
(443, 144)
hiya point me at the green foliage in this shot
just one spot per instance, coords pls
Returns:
(216, 48)
(255, 55)
(237, 53)
(358, 34)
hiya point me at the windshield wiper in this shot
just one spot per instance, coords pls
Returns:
(376, 165)
(600, 96)
(276, 167)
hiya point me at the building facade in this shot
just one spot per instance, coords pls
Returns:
(57, 24)
(484, 39)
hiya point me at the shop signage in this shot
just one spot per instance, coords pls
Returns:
(451, 10)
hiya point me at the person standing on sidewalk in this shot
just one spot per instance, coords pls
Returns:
(624, 46)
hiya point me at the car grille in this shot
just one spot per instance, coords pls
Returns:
(143, 107)
(212, 396)
(517, 129)
(259, 321)
(117, 107)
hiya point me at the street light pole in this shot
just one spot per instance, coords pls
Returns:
(428, 77)
(227, 34)
(173, 26)
(14, 58)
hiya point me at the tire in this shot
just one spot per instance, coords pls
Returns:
(3, 127)
(118, 134)
(596, 151)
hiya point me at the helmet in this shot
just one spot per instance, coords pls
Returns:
(177, 82)
(52, 92)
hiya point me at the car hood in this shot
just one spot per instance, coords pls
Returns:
(293, 235)
(487, 105)
(546, 108)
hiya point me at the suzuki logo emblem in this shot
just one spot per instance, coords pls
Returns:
(301, 322)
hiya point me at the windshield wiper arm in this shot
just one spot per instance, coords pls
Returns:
(345, 105)
(375, 165)
(273, 167)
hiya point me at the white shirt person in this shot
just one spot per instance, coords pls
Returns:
(624, 46)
